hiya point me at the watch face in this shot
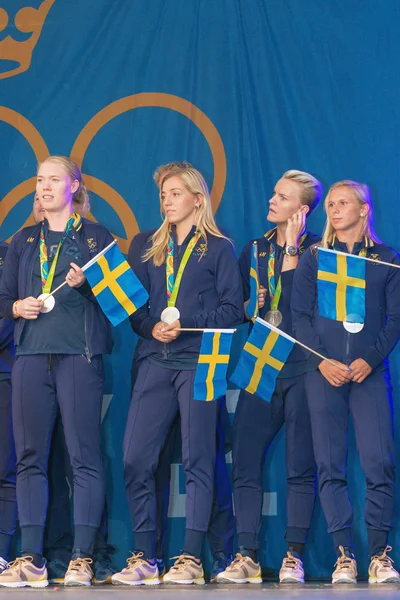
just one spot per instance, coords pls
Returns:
(291, 250)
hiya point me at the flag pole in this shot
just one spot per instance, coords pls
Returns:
(88, 264)
(292, 339)
(373, 260)
(203, 329)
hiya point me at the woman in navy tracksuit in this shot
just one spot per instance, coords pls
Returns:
(209, 295)
(8, 500)
(359, 383)
(59, 363)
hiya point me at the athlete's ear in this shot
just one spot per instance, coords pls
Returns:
(364, 210)
(305, 209)
(74, 186)
(199, 200)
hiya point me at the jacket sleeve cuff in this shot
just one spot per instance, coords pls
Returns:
(372, 357)
(147, 327)
(84, 289)
(187, 322)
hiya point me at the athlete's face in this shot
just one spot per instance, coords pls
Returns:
(54, 187)
(344, 210)
(285, 201)
(178, 204)
(37, 210)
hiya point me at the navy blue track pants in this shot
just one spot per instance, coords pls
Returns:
(255, 426)
(41, 384)
(371, 407)
(158, 395)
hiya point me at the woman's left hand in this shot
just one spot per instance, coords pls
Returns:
(170, 332)
(295, 228)
(360, 370)
(75, 276)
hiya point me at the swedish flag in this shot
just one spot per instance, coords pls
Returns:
(116, 287)
(341, 286)
(210, 380)
(252, 307)
(262, 357)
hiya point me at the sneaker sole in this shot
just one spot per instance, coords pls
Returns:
(344, 581)
(77, 584)
(244, 580)
(386, 580)
(198, 581)
(19, 584)
(133, 583)
(291, 580)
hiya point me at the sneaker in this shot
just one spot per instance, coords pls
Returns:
(381, 569)
(346, 569)
(220, 563)
(161, 567)
(292, 570)
(56, 570)
(138, 572)
(187, 569)
(3, 564)
(79, 572)
(21, 572)
(241, 570)
(102, 568)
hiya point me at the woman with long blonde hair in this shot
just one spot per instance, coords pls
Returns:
(358, 381)
(190, 271)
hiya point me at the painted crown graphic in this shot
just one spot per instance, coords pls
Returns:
(27, 20)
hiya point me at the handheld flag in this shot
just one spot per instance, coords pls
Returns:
(252, 307)
(210, 380)
(262, 357)
(116, 287)
(341, 286)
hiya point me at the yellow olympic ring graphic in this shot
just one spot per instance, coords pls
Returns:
(93, 184)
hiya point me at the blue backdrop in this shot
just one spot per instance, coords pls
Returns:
(243, 89)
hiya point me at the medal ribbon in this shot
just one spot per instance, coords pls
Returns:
(275, 290)
(173, 284)
(46, 275)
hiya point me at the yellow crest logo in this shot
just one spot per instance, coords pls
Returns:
(91, 243)
(27, 20)
(375, 257)
(30, 240)
(262, 254)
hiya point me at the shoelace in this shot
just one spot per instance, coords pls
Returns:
(181, 562)
(136, 559)
(344, 562)
(290, 562)
(79, 563)
(19, 562)
(239, 557)
(384, 559)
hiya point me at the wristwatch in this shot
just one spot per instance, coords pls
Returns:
(291, 250)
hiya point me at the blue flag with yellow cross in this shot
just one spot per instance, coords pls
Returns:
(116, 287)
(341, 286)
(262, 357)
(210, 379)
(252, 307)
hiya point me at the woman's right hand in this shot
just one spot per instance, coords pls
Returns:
(28, 308)
(335, 375)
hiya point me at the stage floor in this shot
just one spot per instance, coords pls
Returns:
(269, 591)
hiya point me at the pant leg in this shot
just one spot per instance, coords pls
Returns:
(101, 541)
(329, 414)
(80, 396)
(221, 529)
(8, 499)
(58, 533)
(34, 409)
(153, 409)
(162, 478)
(371, 407)
(300, 462)
(255, 425)
(198, 429)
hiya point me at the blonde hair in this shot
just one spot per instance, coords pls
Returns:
(80, 200)
(312, 188)
(195, 184)
(162, 170)
(363, 195)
